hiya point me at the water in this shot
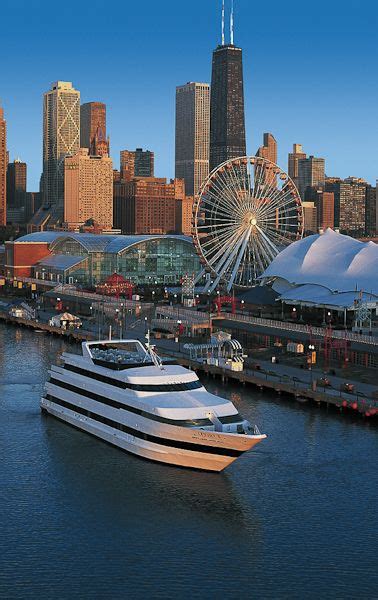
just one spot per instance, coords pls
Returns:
(296, 518)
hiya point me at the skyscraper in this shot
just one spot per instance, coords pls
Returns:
(16, 184)
(227, 122)
(16, 191)
(192, 134)
(88, 190)
(146, 205)
(93, 128)
(350, 204)
(136, 163)
(325, 205)
(269, 148)
(310, 174)
(294, 158)
(61, 137)
(3, 169)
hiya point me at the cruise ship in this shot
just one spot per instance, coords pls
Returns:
(122, 392)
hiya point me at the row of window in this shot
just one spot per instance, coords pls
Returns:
(229, 419)
(139, 387)
(142, 435)
(132, 409)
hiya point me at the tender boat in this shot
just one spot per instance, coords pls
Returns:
(123, 393)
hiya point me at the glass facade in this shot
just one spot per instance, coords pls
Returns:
(160, 260)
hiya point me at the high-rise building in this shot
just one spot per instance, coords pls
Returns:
(227, 121)
(93, 128)
(192, 134)
(3, 169)
(350, 204)
(148, 205)
(16, 183)
(88, 190)
(293, 160)
(61, 138)
(310, 217)
(371, 211)
(136, 163)
(325, 205)
(269, 148)
(16, 191)
(311, 173)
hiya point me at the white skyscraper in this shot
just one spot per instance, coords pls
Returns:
(61, 137)
(192, 135)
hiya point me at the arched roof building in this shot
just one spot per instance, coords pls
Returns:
(89, 259)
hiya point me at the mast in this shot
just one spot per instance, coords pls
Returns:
(232, 23)
(222, 22)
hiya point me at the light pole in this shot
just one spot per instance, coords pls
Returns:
(145, 325)
(311, 348)
(117, 317)
(178, 333)
(121, 322)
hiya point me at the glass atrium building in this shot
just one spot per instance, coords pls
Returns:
(88, 259)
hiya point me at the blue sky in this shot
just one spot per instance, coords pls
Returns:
(310, 72)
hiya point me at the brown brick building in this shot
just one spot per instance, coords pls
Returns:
(136, 163)
(149, 205)
(325, 204)
(20, 256)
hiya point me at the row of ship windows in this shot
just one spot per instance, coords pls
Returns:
(140, 434)
(114, 404)
(169, 387)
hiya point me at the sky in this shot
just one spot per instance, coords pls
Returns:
(310, 73)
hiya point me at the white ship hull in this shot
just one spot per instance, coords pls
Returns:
(207, 461)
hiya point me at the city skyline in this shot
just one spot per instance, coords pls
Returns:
(331, 123)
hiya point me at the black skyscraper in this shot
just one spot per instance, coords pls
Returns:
(227, 124)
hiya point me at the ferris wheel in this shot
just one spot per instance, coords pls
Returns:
(247, 211)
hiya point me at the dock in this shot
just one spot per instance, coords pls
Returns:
(262, 380)
(76, 335)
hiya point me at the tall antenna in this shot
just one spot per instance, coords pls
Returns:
(232, 23)
(222, 22)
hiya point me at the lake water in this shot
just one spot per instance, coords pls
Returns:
(296, 518)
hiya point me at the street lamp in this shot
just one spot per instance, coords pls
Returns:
(178, 333)
(145, 325)
(311, 348)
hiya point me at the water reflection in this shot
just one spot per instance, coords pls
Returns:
(79, 460)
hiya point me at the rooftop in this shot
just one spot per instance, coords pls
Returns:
(332, 260)
(112, 244)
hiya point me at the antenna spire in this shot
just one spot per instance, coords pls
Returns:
(232, 23)
(222, 22)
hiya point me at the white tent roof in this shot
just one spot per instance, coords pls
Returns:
(315, 295)
(332, 260)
